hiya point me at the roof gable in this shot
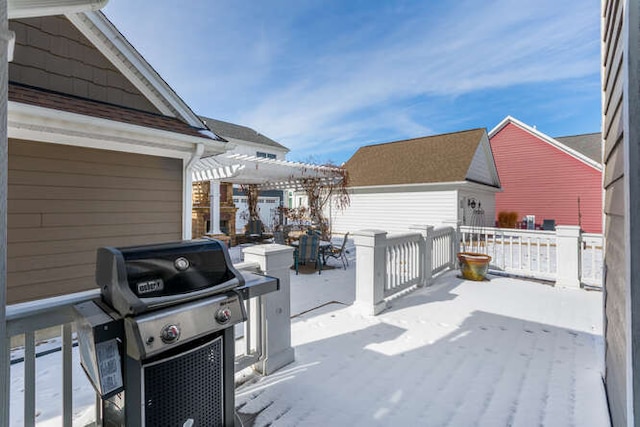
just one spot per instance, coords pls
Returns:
(546, 138)
(431, 159)
(483, 168)
(52, 54)
(105, 36)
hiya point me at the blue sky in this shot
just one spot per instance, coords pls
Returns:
(324, 77)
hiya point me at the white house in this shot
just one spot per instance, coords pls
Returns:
(426, 180)
(245, 141)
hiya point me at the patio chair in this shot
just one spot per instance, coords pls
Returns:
(308, 250)
(549, 224)
(338, 252)
(254, 230)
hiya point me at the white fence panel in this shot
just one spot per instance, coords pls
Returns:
(591, 259)
(403, 260)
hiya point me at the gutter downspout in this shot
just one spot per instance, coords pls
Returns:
(187, 192)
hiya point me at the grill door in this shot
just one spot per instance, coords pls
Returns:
(186, 389)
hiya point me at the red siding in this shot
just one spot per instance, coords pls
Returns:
(539, 179)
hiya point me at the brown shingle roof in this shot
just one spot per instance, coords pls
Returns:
(430, 159)
(58, 101)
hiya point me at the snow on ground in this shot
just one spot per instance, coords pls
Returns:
(498, 353)
(459, 353)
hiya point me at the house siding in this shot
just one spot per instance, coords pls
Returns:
(394, 210)
(538, 179)
(615, 279)
(52, 54)
(64, 202)
(466, 214)
(480, 168)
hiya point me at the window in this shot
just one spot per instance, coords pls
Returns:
(265, 155)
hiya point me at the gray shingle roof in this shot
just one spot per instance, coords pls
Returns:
(243, 133)
(589, 144)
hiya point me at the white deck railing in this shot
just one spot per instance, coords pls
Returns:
(388, 265)
(442, 249)
(591, 259)
(25, 320)
(534, 253)
(404, 262)
(526, 253)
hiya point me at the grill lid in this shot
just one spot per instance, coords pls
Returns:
(138, 279)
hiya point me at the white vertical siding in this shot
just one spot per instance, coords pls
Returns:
(395, 211)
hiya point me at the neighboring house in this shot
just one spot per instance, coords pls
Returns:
(100, 153)
(245, 141)
(621, 156)
(427, 180)
(556, 179)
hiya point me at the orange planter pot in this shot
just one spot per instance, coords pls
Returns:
(473, 266)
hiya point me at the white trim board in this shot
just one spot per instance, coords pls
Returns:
(34, 123)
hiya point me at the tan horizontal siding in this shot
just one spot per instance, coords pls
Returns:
(86, 232)
(65, 202)
(31, 192)
(66, 179)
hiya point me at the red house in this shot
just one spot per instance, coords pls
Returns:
(556, 179)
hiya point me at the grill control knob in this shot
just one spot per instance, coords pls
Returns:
(170, 333)
(223, 316)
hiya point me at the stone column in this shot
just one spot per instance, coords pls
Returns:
(214, 207)
(568, 263)
(370, 271)
(275, 260)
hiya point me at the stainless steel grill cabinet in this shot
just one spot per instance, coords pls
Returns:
(159, 346)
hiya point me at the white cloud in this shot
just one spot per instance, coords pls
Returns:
(280, 70)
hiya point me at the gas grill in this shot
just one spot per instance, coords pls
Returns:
(158, 346)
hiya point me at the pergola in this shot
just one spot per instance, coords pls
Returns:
(265, 174)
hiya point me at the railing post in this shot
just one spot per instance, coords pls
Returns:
(426, 252)
(455, 242)
(568, 256)
(275, 260)
(370, 271)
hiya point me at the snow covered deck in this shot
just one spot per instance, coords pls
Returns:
(458, 353)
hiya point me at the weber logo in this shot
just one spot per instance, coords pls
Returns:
(150, 286)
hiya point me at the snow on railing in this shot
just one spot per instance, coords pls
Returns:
(26, 322)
